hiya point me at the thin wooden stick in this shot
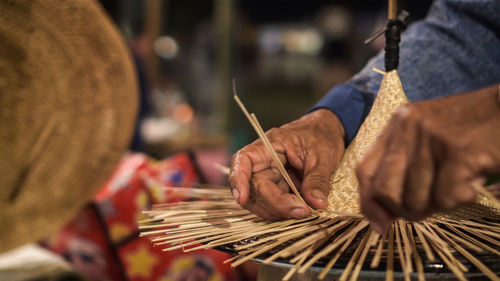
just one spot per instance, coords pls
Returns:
(392, 10)
(379, 71)
(423, 240)
(471, 258)
(354, 258)
(335, 244)
(402, 260)
(416, 256)
(255, 124)
(407, 246)
(389, 273)
(481, 190)
(231, 259)
(475, 241)
(223, 169)
(334, 259)
(376, 258)
(274, 155)
(362, 257)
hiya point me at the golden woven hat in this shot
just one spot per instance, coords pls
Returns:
(68, 101)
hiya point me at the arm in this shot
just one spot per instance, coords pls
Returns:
(454, 50)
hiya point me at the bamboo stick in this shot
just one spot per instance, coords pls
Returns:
(376, 258)
(362, 257)
(416, 256)
(389, 273)
(255, 124)
(347, 270)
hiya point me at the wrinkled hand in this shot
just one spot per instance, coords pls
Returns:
(309, 148)
(428, 155)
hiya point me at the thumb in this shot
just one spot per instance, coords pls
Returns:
(315, 187)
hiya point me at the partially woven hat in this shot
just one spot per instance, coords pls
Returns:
(68, 101)
(344, 195)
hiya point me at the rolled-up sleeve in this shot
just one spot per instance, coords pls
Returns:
(455, 49)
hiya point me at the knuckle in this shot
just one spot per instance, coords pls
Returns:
(407, 113)
(274, 132)
(319, 180)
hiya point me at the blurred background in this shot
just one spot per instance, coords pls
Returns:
(285, 55)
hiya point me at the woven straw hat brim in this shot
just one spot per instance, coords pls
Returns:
(68, 102)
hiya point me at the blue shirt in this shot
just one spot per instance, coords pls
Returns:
(455, 49)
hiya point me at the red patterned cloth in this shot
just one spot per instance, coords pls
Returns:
(103, 240)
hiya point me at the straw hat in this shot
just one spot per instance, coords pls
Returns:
(68, 100)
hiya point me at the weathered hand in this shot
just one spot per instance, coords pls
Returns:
(309, 148)
(428, 155)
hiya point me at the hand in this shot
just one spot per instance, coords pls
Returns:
(310, 149)
(428, 155)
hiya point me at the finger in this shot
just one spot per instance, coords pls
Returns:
(268, 198)
(452, 185)
(419, 178)
(380, 219)
(373, 210)
(239, 176)
(316, 183)
(250, 159)
(390, 175)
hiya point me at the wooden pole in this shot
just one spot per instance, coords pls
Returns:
(393, 10)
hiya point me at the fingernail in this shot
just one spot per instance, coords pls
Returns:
(298, 213)
(320, 195)
(236, 194)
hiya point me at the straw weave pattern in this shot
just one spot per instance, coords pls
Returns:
(343, 195)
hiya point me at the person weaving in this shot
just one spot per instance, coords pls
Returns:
(430, 151)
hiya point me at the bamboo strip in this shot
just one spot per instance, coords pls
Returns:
(416, 256)
(402, 260)
(267, 144)
(303, 230)
(311, 238)
(334, 259)
(354, 258)
(407, 246)
(376, 258)
(438, 249)
(389, 273)
(294, 269)
(451, 266)
(428, 252)
(379, 71)
(231, 259)
(362, 257)
(257, 253)
(335, 244)
(471, 258)
(475, 241)
(434, 238)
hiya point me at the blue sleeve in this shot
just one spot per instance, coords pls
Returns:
(455, 49)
